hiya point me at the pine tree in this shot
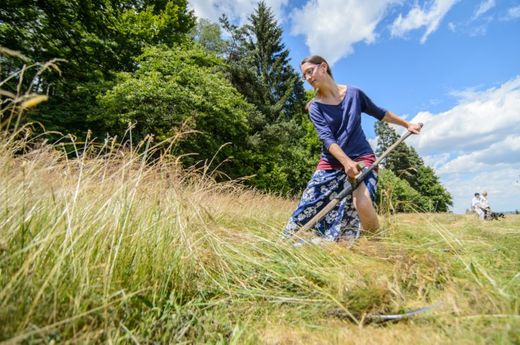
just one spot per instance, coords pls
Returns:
(260, 69)
(258, 66)
(282, 86)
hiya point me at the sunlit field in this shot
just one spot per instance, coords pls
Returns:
(113, 242)
(120, 245)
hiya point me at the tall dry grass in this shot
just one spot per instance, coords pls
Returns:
(116, 243)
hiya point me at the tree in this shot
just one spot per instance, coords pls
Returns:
(179, 85)
(208, 35)
(96, 38)
(283, 90)
(396, 195)
(428, 185)
(406, 164)
(403, 160)
(172, 86)
(259, 66)
(104, 87)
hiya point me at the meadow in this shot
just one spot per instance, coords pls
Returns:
(120, 245)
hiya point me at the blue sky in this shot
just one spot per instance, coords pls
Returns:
(452, 64)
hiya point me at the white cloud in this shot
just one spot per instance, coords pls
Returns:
(420, 17)
(436, 161)
(499, 153)
(452, 26)
(513, 13)
(475, 146)
(236, 10)
(484, 6)
(332, 27)
(479, 120)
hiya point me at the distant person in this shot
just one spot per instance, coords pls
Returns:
(484, 205)
(335, 111)
(476, 206)
(483, 200)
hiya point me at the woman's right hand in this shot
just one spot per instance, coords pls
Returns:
(351, 168)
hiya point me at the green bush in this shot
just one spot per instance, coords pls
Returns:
(179, 89)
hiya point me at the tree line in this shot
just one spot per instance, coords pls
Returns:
(153, 66)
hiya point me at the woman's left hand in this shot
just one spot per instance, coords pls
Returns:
(415, 128)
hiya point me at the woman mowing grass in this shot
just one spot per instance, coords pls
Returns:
(335, 112)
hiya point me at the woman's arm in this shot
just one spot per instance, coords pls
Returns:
(392, 118)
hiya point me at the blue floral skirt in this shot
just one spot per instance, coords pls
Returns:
(342, 222)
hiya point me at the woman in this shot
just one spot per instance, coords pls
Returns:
(335, 112)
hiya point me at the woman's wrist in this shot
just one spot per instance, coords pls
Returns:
(346, 162)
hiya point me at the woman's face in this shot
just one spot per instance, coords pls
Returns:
(313, 73)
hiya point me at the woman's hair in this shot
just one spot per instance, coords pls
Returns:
(316, 59)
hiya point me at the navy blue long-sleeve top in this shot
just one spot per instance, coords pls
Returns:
(341, 124)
